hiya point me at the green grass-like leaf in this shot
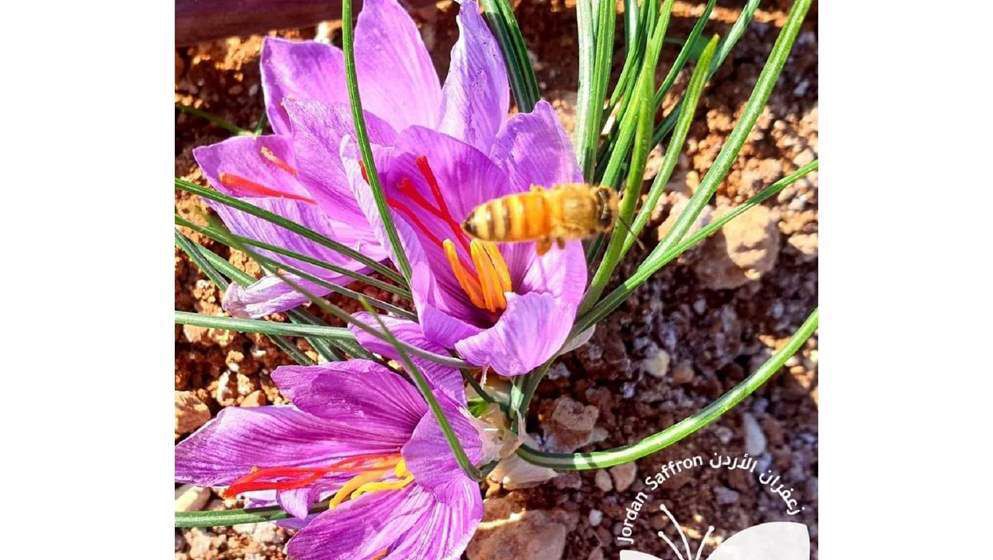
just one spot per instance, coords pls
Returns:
(688, 426)
(364, 278)
(653, 263)
(500, 16)
(675, 147)
(290, 225)
(596, 44)
(193, 251)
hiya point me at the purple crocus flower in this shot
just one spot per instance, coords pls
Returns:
(500, 306)
(297, 172)
(440, 152)
(363, 435)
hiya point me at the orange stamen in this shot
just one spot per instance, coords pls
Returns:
(245, 187)
(466, 279)
(489, 278)
(275, 160)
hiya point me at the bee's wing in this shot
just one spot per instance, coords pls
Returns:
(768, 541)
(635, 555)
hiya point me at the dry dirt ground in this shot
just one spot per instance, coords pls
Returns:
(694, 331)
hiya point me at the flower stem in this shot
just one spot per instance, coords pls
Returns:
(688, 426)
(362, 136)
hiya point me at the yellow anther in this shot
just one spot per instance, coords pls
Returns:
(469, 284)
(489, 278)
(376, 486)
(354, 484)
(372, 481)
(499, 264)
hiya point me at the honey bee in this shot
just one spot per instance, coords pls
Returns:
(563, 212)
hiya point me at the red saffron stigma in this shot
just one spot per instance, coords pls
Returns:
(275, 160)
(243, 186)
(428, 174)
(290, 478)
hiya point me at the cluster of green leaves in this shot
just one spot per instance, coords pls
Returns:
(614, 136)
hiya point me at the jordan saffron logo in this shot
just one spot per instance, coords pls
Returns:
(767, 541)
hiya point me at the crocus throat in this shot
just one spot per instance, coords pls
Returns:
(484, 277)
(372, 473)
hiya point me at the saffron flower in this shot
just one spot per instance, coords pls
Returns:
(296, 172)
(500, 306)
(363, 436)
(440, 151)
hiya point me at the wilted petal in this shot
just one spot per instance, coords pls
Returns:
(476, 97)
(239, 439)
(529, 332)
(269, 295)
(300, 70)
(361, 528)
(396, 78)
(534, 150)
(359, 397)
(446, 379)
(430, 458)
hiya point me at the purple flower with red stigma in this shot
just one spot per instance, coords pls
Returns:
(363, 436)
(297, 172)
(499, 305)
(440, 152)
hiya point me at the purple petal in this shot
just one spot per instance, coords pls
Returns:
(443, 328)
(466, 178)
(530, 331)
(430, 458)
(316, 139)
(476, 97)
(534, 150)
(361, 398)
(229, 446)
(300, 70)
(446, 379)
(424, 255)
(361, 528)
(397, 80)
(297, 502)
(244, 157)
(449, 523)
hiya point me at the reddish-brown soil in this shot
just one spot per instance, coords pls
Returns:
(713, 334)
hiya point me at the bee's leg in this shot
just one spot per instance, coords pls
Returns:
(560, 241)
(542, 245)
